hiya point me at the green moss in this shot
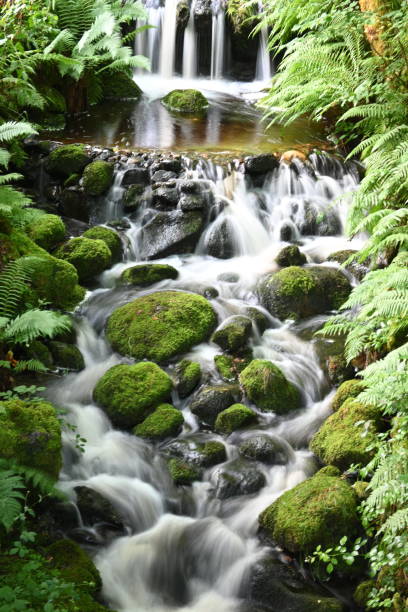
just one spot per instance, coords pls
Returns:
(129, 392)
(67, 160)
(16, 244)
(295, 281)
(267, 387)
(55, 281)
(47, 231)
(214, 452)
(72, 180)
(361, 488)
(30, 434)
(188, 101)
(233, 336)
(160, 325)
(348, 389)
(362, 593)
(74, 565)
(120, 86)
(148, 274)
(318, 511)
(109, 237)
(38, 350)
(229, 367)
(347, 435)
(188, 377)
(165, 422)
(97, 178)
(66, 356)
(234, 417)
(89, 257)
(290, 256)
(181, 472)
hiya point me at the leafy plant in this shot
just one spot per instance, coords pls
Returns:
(333, 558)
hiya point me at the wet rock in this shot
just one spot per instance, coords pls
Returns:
(171, 233)
(135, 176)
(183, 14)
(356, 268)
(193, 202)
(190, 187)
(338, 369)
(266, 386)
(188, 101)
(109, 237)
(234, 417)
(188, 377)
(182, 473)
(258, 318)
(89, 257)
(210, 293)
(163, 176)
(238, 478)
(296, 292)
(261, 164)
(211, 400)
(220, 242)
(230, 366)
(66, 160)
(66, 356)
(197, 453)
(95, 508)
(233, 336)
(74, 204)
(290, 256)
(164, 198)
(319, 223)
(133, 197)
(165, 422)
(145, 275)
(119, 224)
(97, 178)
(169, 165)
(203, 14)
(261, 447)
(228, 277)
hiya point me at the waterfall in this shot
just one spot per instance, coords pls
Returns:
(190, 47)
(218, 43)
(168, 41)
(263, 60)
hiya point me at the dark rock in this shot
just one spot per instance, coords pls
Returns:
(220, 242)
(261, 164)
(74, 227)
(257, 317)
(119, 224)
(197, 453)
(170, 165)
(74, 204)
(188, 375)
(210, 293)
(171, 233)
(233, 335)
(203, 14)
(193, 202)
(183, 14)
(133, 197)
(211, 400)
(162, 176)
(260, 447)
(95, 508)
(190, 186)
(144, 275)
(290, 256)
(136, 176)
(319, 223)
(164, 198)
(238, 478)
(356, 268)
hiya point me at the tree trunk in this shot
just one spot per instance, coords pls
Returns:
(76, 96)
(373, 30)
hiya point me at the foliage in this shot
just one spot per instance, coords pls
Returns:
(334, 556)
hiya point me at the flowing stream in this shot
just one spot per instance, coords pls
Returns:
(186, 548)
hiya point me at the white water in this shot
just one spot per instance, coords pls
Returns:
(218, 43)
(190, 551)
(190, 47)
(168, 41)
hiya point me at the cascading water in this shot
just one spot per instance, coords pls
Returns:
(263, 60)
(192, 551)
(190, 47)
(218, 41)
(168, 41)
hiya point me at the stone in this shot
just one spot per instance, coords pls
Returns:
(267, 387)
(47, 231)
(189, 101)
(290, 256)
(234, 417)
(145, 275)
(197, 453)
(89, 257)
(182, 473)
(220, 241)
(164, 198)
(109, 237)
(136, 176)
(97, 178)
(95, 508)
(348, 389)
(261, 447)
(66, 160)
(170, 233)
(234, 334)
(211, 400)
(188, 377)
(165, 422)
(238, 478)
(261, 164)
(66, 356)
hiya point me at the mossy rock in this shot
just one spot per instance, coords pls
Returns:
(362, 490)
(234, 417)
(148, 274)
(66, 356)
(189, 101)
(165, 422)
(38, 350)
(266, 386)
(318, 511)
(160, 325)
(348, 389)
(30, 434)
(97, 178)
(181, 472)
(133, 197)
(233, 335)
(362, 593)
(55, 281)
(338, 369)
(109, 237)
(230, 366)
(260, 447)
(188, 375)
(120, 86)
(15, 244)
(213, 452)
(89, 257)
(47, 231)
(74, 565)
(296, 293)
(213, 399)
(128, 393)
(348, 436)
(196, 453)
(67, 160)
(290, 256)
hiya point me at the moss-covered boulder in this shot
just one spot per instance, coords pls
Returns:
(55, 281)
(97, 178)
(165, 422)
(181, 472)
(38, 350)
(296, 293)
(238, 477)
(148, 274)
(189, 101)
(318, 511)
(66, 356)
(230, 366)
(120, 86)
(47, 231)
(234, 417)
(348, 389)
(160, 325)
(266, 386)
(89, 257)
(74, 565)
(128, 393)
(233, 335)
(188, 377)
(196, 453)
(348, 435)
(67, 160)
(30, 434)
(109, 237)
(261, 447)
(290, 256)
(213, 399)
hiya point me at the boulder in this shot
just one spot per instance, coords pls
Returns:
(160, 325)
(261, 164)
(165, 422)
(164, 197)
(316, 512)
(145, 275)
(197, 453)
(47, 231)
(188, 377)
(89, 257)
(182, 473)
(238, 478)
(66, 160)
(169, 233)
(220, 242)
(97, 178)
(109, 237)
(298, 293)
(348, 389)
(30, 434)
(261, 447)
(95, 508)
(234, 417)
(74, 565)
(338, 369)
(173, 164)
(348, 436)
(164, 177)
(189, 101)
(356, 268)
(136, 176)
(194, 201)
(233, 335)
(211, 400)
(66, 356)
(183, 14)
(289, 156)
(290, 256)
(128, 393)
(266, 386)
(74, 204)
(133, 197)
(230, 366)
